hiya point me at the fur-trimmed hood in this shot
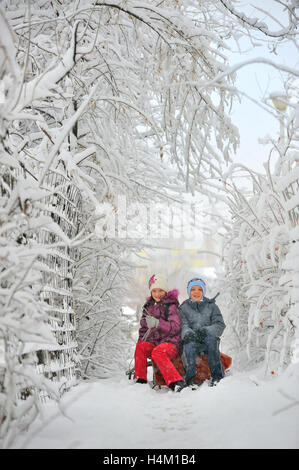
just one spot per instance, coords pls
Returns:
(171, 297)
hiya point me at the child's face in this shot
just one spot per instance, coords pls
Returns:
(196, 293)
(158, 294)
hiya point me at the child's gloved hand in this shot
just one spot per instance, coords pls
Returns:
(152, 322)
(200, 335)
(189, 337)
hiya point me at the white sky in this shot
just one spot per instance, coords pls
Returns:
(258, 81)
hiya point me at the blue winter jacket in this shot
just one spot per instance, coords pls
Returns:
(204, 314)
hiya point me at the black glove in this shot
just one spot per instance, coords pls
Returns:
(191, 336)
(200, 335)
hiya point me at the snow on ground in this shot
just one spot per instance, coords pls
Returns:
(243, 411)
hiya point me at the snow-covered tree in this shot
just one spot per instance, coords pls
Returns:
(109, 98)
(24, 319)
(102, 96)
(258, 247)
(259, 279)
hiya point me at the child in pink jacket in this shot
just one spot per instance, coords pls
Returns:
(159, 334)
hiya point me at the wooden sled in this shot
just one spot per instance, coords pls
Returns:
(202, 368)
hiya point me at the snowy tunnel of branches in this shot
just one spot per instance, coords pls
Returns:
(110, 98)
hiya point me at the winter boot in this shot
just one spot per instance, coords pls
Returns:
(141, 381)
(213, 382)
(178, 385)
(195, 387)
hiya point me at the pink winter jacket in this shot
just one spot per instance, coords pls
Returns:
(168, 330)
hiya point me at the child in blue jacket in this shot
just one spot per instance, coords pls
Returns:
(202, 326)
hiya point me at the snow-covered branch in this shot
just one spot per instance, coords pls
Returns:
(256, 24)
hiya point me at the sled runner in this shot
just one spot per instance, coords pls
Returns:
(202, 368)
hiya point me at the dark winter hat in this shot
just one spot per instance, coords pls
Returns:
(196, 281)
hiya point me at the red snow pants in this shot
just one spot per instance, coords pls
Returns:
(161, 355)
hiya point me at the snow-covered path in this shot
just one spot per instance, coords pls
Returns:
(241, 412)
